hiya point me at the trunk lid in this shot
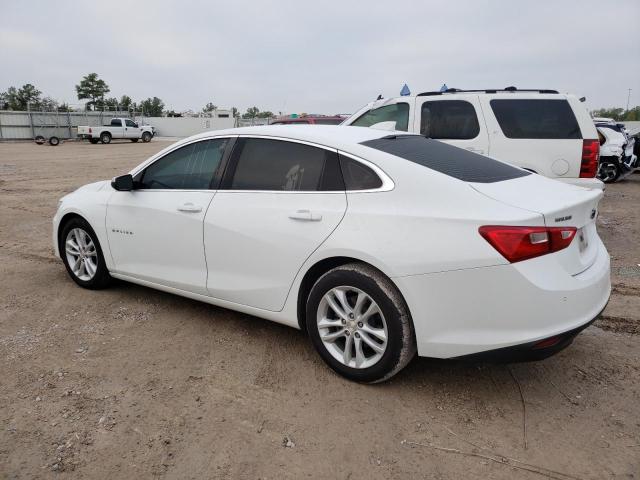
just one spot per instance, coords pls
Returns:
(561, 205)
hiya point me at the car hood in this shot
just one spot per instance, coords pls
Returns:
(93, 187)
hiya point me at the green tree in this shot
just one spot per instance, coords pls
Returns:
(632, 115)
(615, 113)
(125, 102)
(265, 114)
(64, 107)
(20, 99)
(152, 107)
(209, 107)
(4, 101)
(93, 88)
(110, 104)
(234, 112)
(252, 112)
(48, 104)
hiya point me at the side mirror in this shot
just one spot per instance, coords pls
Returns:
(136, 125)
(123, 183)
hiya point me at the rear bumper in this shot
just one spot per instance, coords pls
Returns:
(593, 183)
(531, 351)
(464, 312)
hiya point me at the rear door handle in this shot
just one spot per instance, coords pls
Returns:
(190, 207)
(305, 215)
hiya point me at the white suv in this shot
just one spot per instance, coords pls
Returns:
(543, 131)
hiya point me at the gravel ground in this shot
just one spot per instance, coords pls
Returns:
(134, 383)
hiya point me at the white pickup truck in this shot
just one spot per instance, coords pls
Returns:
(118, 128)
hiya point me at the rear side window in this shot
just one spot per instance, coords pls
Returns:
(453, 161)
(358, 176)
(264, 164)
(188, 168)
(116, 122)
(538, 119)
(397, 112)
(449, 119)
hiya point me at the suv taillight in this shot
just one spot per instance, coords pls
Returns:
(517, 243)
(589, 163)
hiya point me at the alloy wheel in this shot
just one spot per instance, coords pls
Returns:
(82, 256)
(352, 327)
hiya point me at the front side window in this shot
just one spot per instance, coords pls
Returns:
(264, 164)
(397, 112)
(188, 168)
(130, 123)
(449, 119)
(546, 119)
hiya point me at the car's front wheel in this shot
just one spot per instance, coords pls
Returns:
(359, 323)
(82, 255)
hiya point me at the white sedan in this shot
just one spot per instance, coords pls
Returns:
(377, 244)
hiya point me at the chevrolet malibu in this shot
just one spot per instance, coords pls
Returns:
(378, 245)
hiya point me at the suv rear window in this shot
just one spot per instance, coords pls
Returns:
(453, 161)
(539, 119)
(449, 119)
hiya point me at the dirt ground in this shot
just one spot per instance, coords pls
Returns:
(134, 383)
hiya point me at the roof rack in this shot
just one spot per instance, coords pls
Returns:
(488, 90)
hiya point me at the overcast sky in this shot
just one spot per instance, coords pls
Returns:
(320, 57)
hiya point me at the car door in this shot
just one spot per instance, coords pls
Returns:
(131, 129)
(116, 129)
(155, 231)
(458, 121)
(279, 200)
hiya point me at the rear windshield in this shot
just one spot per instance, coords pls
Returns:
(453, 161)
(539, 119)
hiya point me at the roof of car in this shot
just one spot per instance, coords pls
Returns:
(337, 136)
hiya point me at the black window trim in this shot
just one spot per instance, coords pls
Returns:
(231, 164)
(444, 99)
(138, 172)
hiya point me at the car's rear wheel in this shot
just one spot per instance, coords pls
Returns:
(82, 255)
(608, 170)
(146, 137)
(105, 137)
(359, 323)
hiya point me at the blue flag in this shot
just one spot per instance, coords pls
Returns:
(444, 87)
(405, 92)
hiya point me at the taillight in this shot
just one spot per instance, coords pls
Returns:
(521, 243)
(589, 163)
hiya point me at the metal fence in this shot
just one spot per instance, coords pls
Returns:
(21, 125)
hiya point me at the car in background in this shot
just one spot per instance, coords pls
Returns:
(617, 151)
(309, 120)
(118, 128)
(542, 131)
(377, 245)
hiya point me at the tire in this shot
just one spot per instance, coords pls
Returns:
(134, 140)
(40, 140)
(391, 320)
(54, 141)
(94, 277)
(608, 170)
(105, 137)
(146, 137)
(94, 141)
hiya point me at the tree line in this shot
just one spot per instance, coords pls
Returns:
(94, 89)
(619, 114)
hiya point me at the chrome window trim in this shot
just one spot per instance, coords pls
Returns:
(387, 182)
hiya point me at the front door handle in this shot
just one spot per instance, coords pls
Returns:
(190, 208)
(305, 215)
